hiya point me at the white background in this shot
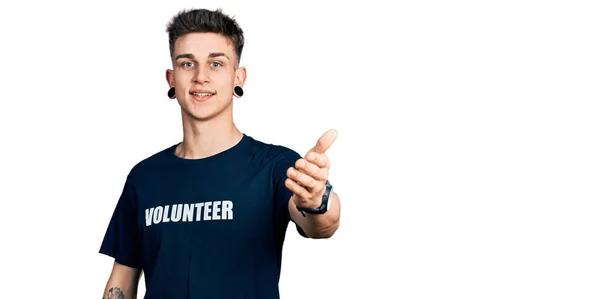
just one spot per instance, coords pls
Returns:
(467, 159)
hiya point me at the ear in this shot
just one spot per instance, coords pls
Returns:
(170, 78)
(240, 77)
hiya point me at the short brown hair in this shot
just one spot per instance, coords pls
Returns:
(204, 20)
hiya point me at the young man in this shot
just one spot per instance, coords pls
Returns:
(207, 217)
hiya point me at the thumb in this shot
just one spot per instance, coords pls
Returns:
(325, 141)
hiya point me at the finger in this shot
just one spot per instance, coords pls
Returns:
(305, 180)
(325, 141)
(297, 189)
(321, 160)
(311, 169)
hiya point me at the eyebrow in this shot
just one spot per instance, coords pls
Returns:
(191, 56)
(213, 55)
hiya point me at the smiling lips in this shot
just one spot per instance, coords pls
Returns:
(201, 95)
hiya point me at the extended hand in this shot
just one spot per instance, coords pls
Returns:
(308, 178)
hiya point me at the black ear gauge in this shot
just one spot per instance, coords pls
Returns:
(238, 91)
(171, 93)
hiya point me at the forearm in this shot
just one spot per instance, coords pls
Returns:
(119, 291)
(123, 283)
(318, 226)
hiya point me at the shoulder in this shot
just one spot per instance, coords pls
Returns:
(154, 163)
(272, 152)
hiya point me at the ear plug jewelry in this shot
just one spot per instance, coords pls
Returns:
(238, 91)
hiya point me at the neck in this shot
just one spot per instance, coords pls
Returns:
(205, 138)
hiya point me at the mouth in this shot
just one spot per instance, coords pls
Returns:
(202, 96)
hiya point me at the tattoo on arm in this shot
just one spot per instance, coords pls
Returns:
(115, 293)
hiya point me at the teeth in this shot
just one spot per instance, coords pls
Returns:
(202, 94)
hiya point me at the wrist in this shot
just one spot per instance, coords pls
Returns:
(323, 204)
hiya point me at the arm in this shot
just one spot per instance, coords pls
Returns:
(122, 242)
(122, 283)
(318, 226)
(307, 179)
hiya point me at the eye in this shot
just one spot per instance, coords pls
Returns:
(187, 64)
(216, 64)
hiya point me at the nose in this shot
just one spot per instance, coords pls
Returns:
(202, 75)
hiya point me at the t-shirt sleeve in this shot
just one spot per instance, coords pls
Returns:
(122, 238)
(282, 193)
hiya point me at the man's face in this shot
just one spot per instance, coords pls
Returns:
(204, 74)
